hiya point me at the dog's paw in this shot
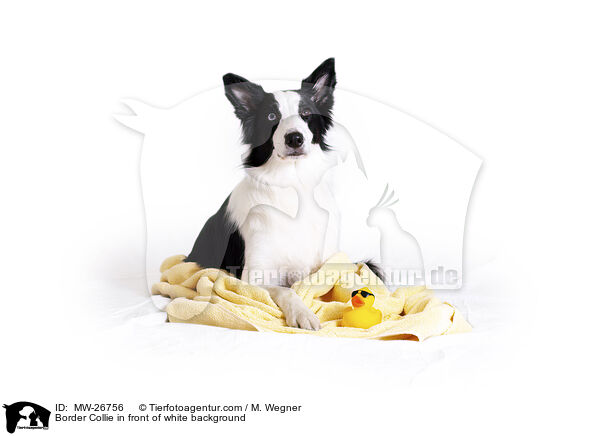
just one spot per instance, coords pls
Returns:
(298, 315)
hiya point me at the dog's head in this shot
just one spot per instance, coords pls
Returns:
(284, 127)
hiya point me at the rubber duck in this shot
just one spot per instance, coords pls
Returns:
(362, 314)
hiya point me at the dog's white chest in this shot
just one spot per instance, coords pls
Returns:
(285, 233)
(299, 239)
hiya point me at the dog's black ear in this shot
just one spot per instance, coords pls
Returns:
(245, 96)
(321, 83)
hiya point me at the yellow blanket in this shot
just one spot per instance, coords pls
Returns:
(213, 297)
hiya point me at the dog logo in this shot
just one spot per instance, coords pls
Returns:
(26, 415)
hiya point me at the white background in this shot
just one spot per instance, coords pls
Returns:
(516, 82)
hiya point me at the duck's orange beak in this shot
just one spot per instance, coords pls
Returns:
(357, 301)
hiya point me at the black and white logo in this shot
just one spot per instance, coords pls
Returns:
(26, 415)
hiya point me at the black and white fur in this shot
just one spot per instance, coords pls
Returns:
(270, 231)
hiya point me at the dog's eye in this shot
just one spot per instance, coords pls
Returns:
(305, 112)
(272, 116)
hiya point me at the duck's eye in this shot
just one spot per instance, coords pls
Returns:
(272, 116)
(305, 112)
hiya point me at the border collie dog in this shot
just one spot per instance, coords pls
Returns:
(270, 231)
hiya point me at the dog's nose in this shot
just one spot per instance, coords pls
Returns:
(294, 139)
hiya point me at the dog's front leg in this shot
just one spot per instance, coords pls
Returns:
(295, 311)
